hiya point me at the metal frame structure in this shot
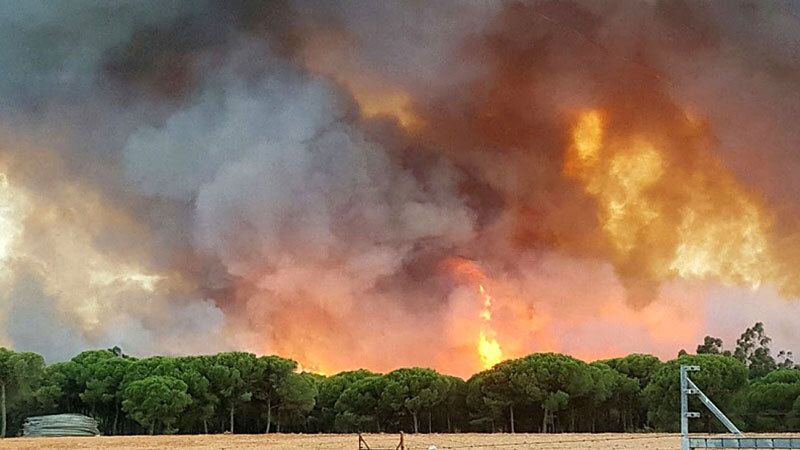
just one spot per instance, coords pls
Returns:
(738, 441)
(362, 444)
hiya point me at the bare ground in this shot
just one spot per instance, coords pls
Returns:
(350, 442)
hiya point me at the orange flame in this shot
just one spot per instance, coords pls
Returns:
(667, 212)
(301, 368)
(488, 348)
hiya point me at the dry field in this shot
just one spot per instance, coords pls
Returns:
(350, 442)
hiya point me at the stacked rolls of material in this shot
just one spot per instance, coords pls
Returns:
(60, 425)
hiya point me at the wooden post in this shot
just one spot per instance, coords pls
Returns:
(362, 444)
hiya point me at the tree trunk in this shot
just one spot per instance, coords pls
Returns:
(511, 415)
(205, 426)
(416, 422)
(116, 417)
(269, 414)
(544, 421)
(152, 428)
(449, 429)
(429, 422)
(231, 418)
(2, 410)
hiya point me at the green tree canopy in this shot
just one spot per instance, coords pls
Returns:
(297, 395)
(752, 349)
(270, 377)
(413, 391)
(330, 389)
(721, 378)
(712, 346)
(769, 402)
(360, 407)
(156, 400)
(20, 374)
(102, 381)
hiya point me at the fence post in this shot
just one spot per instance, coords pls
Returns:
(362, 444)
(684, 410)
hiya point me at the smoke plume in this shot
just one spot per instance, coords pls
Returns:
(346, 184)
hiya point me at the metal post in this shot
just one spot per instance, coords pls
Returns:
(713, 408)
(689, 388)
(738, 441)
(684, 410)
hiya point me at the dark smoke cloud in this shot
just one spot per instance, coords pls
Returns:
(57, 49)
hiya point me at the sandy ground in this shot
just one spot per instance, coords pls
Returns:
(350, 442)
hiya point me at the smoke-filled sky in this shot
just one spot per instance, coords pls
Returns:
(384, 184)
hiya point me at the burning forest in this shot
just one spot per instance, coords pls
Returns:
(388, 184)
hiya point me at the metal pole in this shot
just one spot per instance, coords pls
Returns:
(684, 411)
(713, 408)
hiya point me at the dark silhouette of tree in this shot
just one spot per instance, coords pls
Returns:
(712, 346)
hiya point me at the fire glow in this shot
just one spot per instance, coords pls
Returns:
(698, 223)
(54, 241)
(488, 348)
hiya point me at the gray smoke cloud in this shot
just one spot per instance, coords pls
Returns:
(57, 49)
(287, 190)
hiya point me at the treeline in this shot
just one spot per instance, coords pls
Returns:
(545, 392)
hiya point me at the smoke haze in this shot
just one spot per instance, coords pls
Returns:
(331, 182)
